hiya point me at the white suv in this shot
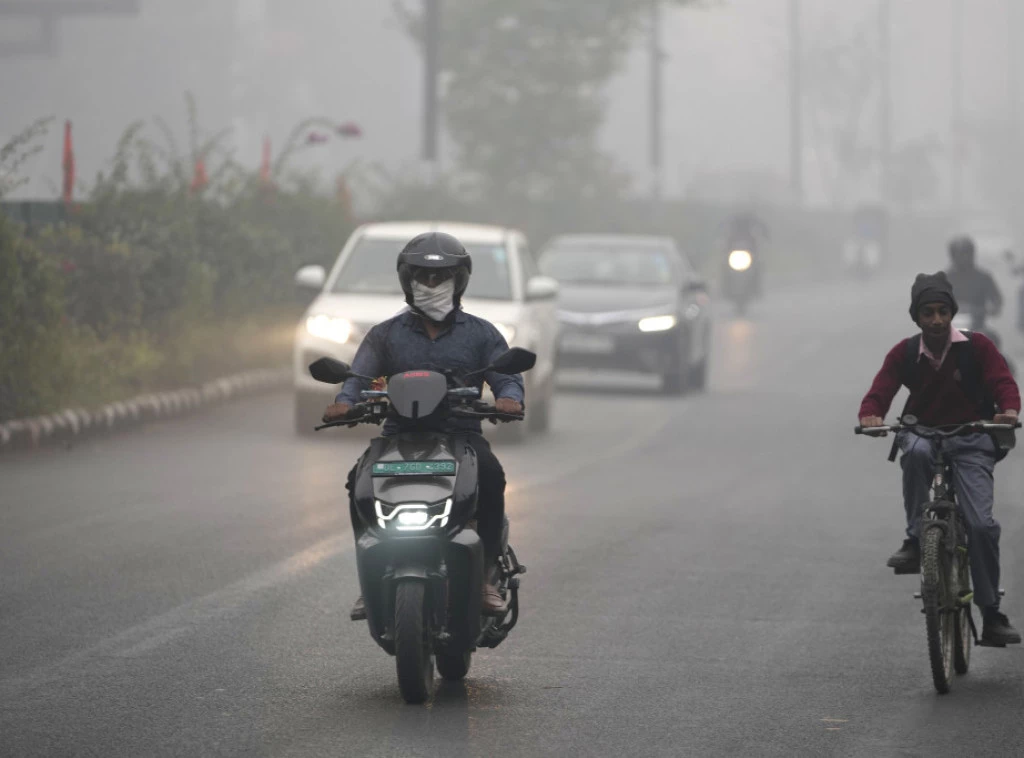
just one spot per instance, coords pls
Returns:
(362, 289)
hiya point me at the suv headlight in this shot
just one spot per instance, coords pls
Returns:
(329, 328)
(413, 517)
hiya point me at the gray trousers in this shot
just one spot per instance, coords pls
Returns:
(974, 459)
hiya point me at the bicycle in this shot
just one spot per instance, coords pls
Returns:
(946, 592)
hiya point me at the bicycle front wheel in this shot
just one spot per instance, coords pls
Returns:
(964, 637)
(940, 614)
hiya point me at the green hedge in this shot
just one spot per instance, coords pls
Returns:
(152, 288)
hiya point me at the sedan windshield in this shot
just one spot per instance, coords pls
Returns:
(370, 270)
(610, 265)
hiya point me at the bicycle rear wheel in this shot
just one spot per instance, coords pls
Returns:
(940, 616)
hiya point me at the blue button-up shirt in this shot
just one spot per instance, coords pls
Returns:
(402, 344)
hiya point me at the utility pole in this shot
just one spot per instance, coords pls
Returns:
(885, 102)
(1013, 95)
(657, 102)
(956, 171)
(431, 72)
(796, 139)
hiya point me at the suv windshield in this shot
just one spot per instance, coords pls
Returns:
(609, 264)
(370, 270)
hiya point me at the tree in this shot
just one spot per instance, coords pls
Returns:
(524, 98)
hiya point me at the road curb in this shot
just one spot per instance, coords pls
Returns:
(73, 424)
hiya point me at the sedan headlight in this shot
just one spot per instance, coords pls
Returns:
(506, 331)
(329, 328)
(657, 323)
(740, 260)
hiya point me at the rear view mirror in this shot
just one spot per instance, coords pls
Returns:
(515, 361)
(330, 371)
(311, 278)
(695, 285)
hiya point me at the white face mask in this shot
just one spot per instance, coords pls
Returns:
(434, 302)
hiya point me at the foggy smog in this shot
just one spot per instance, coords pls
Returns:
(445, 378)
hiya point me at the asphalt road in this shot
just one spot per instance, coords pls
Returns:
(706, 577)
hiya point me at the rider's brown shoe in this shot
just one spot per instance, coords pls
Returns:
(491, 603)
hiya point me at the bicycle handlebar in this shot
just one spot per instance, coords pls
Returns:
(928, 431)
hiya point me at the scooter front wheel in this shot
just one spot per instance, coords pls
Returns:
(413, 656)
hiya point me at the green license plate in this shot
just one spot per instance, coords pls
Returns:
(415, 468)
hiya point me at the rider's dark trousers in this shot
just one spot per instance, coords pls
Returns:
(974, 459)
(490, 502)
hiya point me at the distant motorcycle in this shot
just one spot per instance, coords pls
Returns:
(863, 253)
(861, 258)
(741, 275)
(419, 556)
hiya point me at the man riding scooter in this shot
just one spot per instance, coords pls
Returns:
(434, 270)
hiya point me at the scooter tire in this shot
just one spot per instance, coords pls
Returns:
(414, 661)
(453, 667)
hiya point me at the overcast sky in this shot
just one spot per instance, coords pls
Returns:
(726, 80)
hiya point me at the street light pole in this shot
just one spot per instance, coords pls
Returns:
(796, 139)
(956, 171)
(885, 101)
(1013, 93)
(431, 72)
(656, 102)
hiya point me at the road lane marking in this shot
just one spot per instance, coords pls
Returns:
(169, 626)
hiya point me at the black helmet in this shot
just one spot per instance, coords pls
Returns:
(434, 250)
(961, 250)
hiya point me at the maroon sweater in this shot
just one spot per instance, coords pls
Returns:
(936, 396)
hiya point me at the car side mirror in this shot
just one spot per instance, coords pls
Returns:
(541, 288)
(695, 285)
(330, 371)
(311, 277)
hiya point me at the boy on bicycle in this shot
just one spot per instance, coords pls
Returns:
(954, 377)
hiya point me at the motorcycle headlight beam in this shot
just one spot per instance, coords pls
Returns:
(740, 260)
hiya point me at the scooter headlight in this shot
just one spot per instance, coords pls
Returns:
(740, 260)
(413, 517)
